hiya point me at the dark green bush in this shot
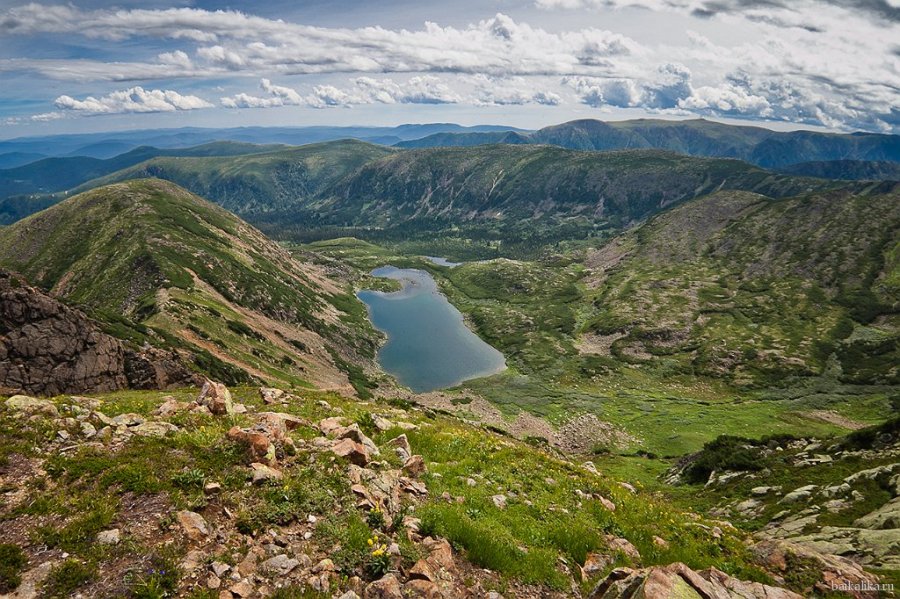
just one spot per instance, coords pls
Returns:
(12, 560)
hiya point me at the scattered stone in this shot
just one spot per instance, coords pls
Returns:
(220, 568)
(242, 589)
(660, 542)
(606, 503)
(382, 424)
(421, 570)
(499, 501)
(280, 564)
(213, 582)
(760, 491)
(170, 407)
(263, 473)
(330, 425)
(154, 429)
(401, 447)
(271, 395)
(595, 562)
(192, 560)
(677, 580)
(88, 430)
(129, 419)
(212, 488)
(353, 451)
(258, 443)
(216, 397)
(798, 495)
(628, 486)
(193, 524)
(422, 589)
(386, 587)
(780, 557)
(623, 545)
(415, 466)
(32, 580)
(109, 537)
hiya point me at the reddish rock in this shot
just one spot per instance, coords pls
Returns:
(421, 570)
(216, 397)
(415, 466)
(258, 444)
(353, 451)
(780, 556)
(422, 589)
(386, 587)
(193, 524)
(623, 545)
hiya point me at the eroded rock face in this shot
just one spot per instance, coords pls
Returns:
(49, 348)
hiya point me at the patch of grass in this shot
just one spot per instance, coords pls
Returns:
(78, 535)
(12, 561)
(67, 577)
(160, 578)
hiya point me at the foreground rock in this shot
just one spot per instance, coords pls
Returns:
(677, 581)
(48, 348)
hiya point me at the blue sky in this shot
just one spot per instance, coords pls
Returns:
(89, 65)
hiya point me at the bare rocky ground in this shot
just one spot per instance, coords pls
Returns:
(579, 435)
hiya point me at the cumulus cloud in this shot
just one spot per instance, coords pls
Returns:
(477, 90)
(136, 99)
(670, 87)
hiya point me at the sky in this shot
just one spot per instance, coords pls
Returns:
(89, 65)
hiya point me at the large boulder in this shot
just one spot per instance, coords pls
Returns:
(49, 348)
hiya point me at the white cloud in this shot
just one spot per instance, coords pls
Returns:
(831, 62)
(136, 99)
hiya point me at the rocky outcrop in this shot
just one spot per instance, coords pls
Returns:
(825, 573)
(677, 581)
(48, 348)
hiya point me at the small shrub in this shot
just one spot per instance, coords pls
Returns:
(189, 479)
(159, 580)
(379, 560)
(375, 519)
(12, 560)
(725, 452)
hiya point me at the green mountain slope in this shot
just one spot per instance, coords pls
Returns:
(506, 184)
(261, 182)
(851, 170)
(752, 289)
(152, 253)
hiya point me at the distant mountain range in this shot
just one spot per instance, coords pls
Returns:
(113, 143)
(698, 137)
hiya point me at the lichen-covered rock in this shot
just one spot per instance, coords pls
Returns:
(216, 397)
(677, 581)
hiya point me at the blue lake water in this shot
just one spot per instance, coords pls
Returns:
(429, 346)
